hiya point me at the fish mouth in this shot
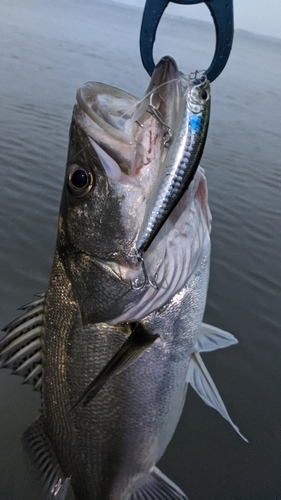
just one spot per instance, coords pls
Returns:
(125, 128)
(130, 138)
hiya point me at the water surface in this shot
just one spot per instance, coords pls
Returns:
(48, 49)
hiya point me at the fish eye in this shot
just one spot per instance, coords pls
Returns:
(204, 95)
(80, 181)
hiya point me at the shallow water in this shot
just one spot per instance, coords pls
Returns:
(48, 49)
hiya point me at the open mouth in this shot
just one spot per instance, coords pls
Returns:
(126, 128)
(132, 139)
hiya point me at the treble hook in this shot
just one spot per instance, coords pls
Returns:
(147, 280)
(222, 13)
(167, 137)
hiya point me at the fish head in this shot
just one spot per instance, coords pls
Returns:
(97, 201)
(116, 149)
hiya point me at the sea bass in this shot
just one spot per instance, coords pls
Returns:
(114, 342)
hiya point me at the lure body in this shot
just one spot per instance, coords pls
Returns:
(182, 159)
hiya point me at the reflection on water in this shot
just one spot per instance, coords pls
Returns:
(47, 52)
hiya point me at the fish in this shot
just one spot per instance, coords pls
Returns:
(111, 354)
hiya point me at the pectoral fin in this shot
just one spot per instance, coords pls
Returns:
(139, 340)
(39, 449)
(202, 382)
(158, 487)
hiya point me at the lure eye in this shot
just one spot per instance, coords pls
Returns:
(204, 94)
(80, 181)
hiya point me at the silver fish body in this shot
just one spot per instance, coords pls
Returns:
(109, 446)
(131, 349)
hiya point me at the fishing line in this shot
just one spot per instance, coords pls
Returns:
(76, 154)
(148, 94)
(180, 77)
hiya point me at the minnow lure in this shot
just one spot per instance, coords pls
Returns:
(186, 146)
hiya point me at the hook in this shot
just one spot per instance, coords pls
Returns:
(167, 137)
(147, 281)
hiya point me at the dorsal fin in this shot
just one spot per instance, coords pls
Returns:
(20, 348)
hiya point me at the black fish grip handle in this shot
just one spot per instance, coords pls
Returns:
(222, 13)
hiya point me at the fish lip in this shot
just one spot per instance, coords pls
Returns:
(168, 66)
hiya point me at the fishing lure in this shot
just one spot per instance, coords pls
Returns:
(185, 148)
